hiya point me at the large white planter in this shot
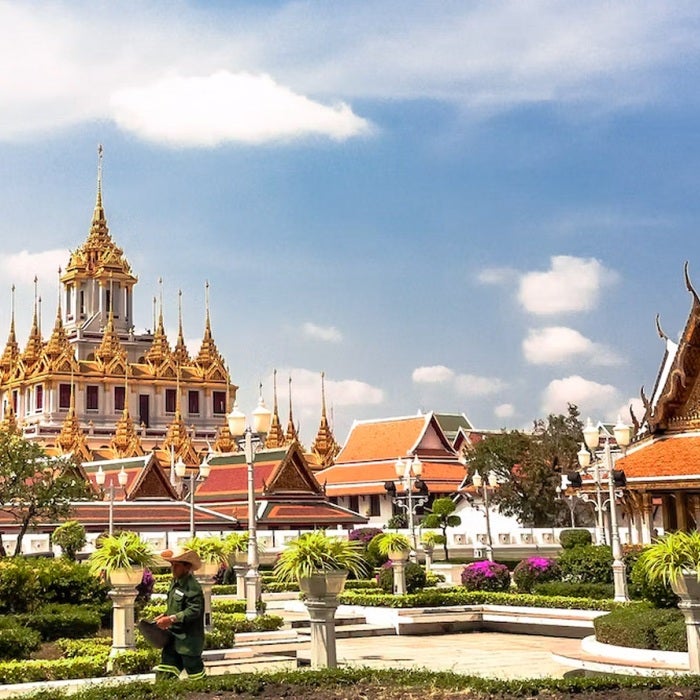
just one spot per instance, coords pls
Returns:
(398, 554)
(687, 585)
(126, 577)
(329, 584)
(208, 568)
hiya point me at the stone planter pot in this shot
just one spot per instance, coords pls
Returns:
(209, 568)
(398, 554)
(324, 585)
(687, 586)
(238, 558)
(126, 577)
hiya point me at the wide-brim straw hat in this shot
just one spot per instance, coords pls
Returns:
(186, 556)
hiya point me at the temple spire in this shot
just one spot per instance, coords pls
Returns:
(324, 446)
(275, 436)
(292, 434)
(180, 353)
(58, 343)
(160, 348)
(12, 352)
(208, 352)
(224, 441)
(34, 347)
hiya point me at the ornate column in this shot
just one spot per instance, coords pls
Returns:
(123, 598)
(399, 568)
(647, 518)
(681, 513)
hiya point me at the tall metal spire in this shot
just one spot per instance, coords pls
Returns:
(275, 436)
(180, 353)
(292, 434)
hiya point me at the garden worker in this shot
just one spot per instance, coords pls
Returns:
(184, 618)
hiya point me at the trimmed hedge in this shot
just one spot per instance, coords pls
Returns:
(596, 591)
(59, 669)
(575, 538)
(54, 621)
(588, 564)
(414, 573)
(643, 627)
(18, 643)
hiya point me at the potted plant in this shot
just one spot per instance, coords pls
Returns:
(213, 551)
(122, 558)
(394, 545)
(320, 563)
(430, 540)
(237, 547)
(675, 559)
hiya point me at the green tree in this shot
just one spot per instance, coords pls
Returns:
(528, 466)
(442, 516)
(70, 537)
(35, 488)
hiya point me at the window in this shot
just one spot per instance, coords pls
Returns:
(39, 397)
(69, 301)
(108, 300)
(119, 396)
(170, 400)
(374, 507)
(64, 396)
(15, 400)
(193, 402)
(354, 503)
(219, 401)
(91, 398)
(82, 302)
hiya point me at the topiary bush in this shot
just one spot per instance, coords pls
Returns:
(642, 628)
(535, 570)
(569, 539)
(18, 585)
(569, 589)
(586, 564)
(64, 581)
(70, 537)
(486, 576)
(54, 621)
(658, 592)
(18, 643)
(415, 577)
(372, 554)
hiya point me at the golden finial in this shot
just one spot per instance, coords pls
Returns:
(155, 323)
(58, 313)
(12, 309)
(98, 202)
(274, 391)
(72, 391)
(39, 316)
(206, 302)
(160, 285)
(323, 394)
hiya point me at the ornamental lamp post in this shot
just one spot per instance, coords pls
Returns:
(100, 478)
(616, 478)
(480, 484)
(180, 472)
(251, 440)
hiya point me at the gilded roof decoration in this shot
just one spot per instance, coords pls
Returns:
(9, 421)
(11, 354)
(292, 434)
(224, 440)
(72, 439)
(275, 436)
(208, 355)
(58, 343)
(324, 447)
(180, 353)
(110, 349)
(160, 348)
(126, 442)
(35, 344)
(179, 440)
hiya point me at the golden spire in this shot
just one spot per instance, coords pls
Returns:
(160, 348)
(35, 344)
(180, 353)
(111, 346)
(12, 352)
(58, 342)
(178, 437)
(126, 442)
(9, 421)
(324, 446)
(224, 441)
(275, 436)
(292, 434)
(72, 439)
(208, 352)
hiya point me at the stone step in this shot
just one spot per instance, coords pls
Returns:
(357, 630)
(340, 621)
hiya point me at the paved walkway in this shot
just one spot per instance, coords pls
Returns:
(490, 654)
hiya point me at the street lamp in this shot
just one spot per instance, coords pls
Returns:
(571, 499)
(100, 478)
(408, 474)
(180, 472)
(616, 478)
(480, 484)
(251, 440)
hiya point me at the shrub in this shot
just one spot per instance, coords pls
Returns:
(372, 554)
(640, 628)
(18, 643)
(486, 576)
(144, 590)
(60, 669)
(83, 647)
(658, 592)
(415, 577)
(70, 537)
(54, 621)
(432, 579)
(364, 534)
(534, 570)
(569, 539)
(595, 591)
(18, 585)
(586, 564)
(64, 581)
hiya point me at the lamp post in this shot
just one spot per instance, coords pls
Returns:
(481, 485)
(180, 472)
(408, 473)
(100, 478)
(591, 436)
(251, 440)
(573, 498)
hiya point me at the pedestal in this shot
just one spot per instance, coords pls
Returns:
(123, 599)
(687, 587)
(240, 580)
(207, 583)
(428, 558)
(252, 593)
(323, 644)
(399, 568)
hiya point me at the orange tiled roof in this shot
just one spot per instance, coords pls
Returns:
(387, 439)
(673, 456)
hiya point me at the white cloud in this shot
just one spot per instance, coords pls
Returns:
(210, 110)
(20, 268)
(328, 334)
(473, 385)
(504, 410)
(624, 410)
(591, 397)
(558, 344)
(570, 285)
(435, 374)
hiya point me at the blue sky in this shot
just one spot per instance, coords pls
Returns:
(462, 206)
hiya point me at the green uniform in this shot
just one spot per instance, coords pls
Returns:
(184, 650)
